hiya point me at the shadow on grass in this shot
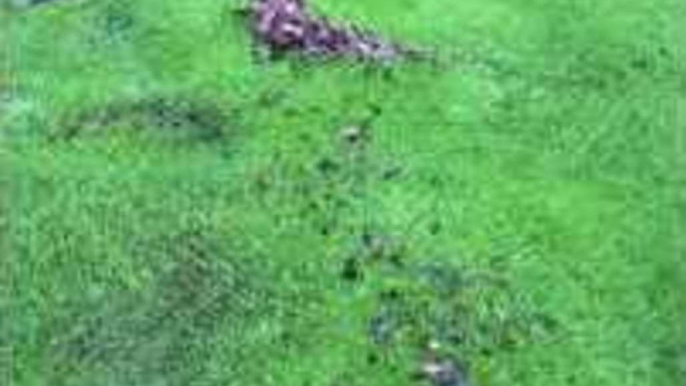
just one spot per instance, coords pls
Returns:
(163, 334)
(185, 119)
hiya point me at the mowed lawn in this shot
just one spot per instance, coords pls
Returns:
(176, 213)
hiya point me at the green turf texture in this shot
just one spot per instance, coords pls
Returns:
(174, 212)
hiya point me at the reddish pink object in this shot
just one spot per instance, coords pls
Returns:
(287, 25)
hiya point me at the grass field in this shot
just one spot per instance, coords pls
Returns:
(176, 213)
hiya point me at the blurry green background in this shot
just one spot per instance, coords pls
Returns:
(175, 213)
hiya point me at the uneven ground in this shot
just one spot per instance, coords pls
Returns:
(174, 213)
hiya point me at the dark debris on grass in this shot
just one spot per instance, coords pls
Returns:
(280, 27)
(188, 118)
(436, 308)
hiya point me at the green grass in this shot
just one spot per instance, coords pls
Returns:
(174, 213)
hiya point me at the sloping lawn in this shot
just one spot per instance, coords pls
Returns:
(174, 212)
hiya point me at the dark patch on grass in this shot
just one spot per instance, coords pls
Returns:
(167, 334)
(114, 24)
(375, 247)
(439, 304)
(326, 230)
(672, 359)
(442, 371)
(640, 64)
(327, 167)
(436, 181)
(352, 270)
(435, 228)
(177, 117)
(443, 278)
(391, 173)
(355, 135)
(382, 327)
(375, 109)
(31, 3)
(373, 359)
(390, 294)
(271, 98)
